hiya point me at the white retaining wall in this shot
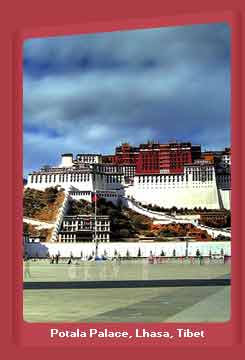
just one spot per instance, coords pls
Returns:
(215, 232)
(39, 224)
(156, 248)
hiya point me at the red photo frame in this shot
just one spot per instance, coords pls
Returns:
(29, 20)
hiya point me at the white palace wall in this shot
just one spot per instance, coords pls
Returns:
(225, 198)
(196, 187)
(109, 195)
(181, 198)
(80, 181)
(166, 191)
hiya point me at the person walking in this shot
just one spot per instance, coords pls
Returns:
(27, 269)
(226, 257)
(201, 259)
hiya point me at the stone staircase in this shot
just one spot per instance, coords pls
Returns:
(59, 219)
(162, 218)
(132, 204)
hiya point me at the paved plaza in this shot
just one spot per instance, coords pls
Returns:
(150, 304)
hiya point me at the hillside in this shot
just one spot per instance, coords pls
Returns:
(42, 205)
(168, 231)
(125, 223)
(32, 230)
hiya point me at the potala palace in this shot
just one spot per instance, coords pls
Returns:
(168, 175)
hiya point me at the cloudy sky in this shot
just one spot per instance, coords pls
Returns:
(88, 93)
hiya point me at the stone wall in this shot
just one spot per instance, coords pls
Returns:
(65, 249)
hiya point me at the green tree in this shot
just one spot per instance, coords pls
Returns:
(124, 233)
(25, 228)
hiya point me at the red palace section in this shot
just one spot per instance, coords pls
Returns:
(155, 158)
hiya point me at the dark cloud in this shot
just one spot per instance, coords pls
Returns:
(89, 92)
